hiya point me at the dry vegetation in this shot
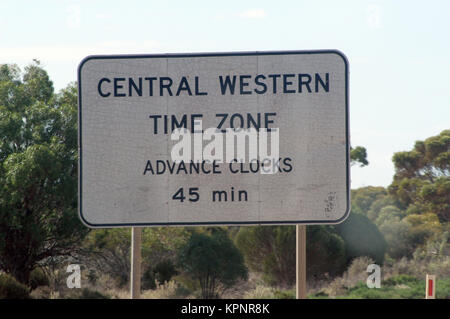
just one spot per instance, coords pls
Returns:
(406, 276)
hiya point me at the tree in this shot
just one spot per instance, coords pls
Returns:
(362, 238)
(38, 170)
(396, 233)
(422, 177)
(213, 260)
(424, 227)
(359, 155)
(108, 251)
(387, 213)
(378, 205)
(270, 250)
(364, 197)
(325, 252)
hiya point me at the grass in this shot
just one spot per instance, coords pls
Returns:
(397, 287)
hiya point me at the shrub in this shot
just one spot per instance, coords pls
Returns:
(443, 288)
(213, 260)
(325, 253)
(364, 197)
(357, 271)
(38, 278)
(396, 287)
(362, 238)
(269, 250)
(285, 294)
(165, 270)
(318, 295)
(166, 290)
(42, 292)
(440, 268)
(260, 292)
(10, 288)
(148, 279)
(161, 273)
(87, 293)
(92, 276)
(401, 280)
(361, 291)
(387, 213)
(396, 233)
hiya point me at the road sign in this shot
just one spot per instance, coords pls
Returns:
(159, 139)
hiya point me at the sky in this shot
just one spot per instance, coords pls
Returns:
(398, 51)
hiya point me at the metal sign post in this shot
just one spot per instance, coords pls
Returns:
(301, 261)
(135, 277)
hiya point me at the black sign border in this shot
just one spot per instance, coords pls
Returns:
(214, 54)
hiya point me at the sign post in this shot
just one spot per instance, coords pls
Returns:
(135, 278)
(301, 262)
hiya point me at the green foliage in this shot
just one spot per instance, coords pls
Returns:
(318, 295)
(165, 270)
(213, 260)
(436, 248)
(325, 252)
(161, 245)
(443, 288)
(396, 234)
(87, 293)
(361, 291)
(161, 273)
(37, 82)
(38, 278)
(362, 238)
(358, 155)
(422, 176)
(401, 280)
(38, 170)
(395, 287)
(285, 294)
(10, 288)
(169, 290)
(108, 251)
(148, 279)
(400, 287)
(260, 292)
(411, 213)
(363, 198)
(187, 281)
(423, 227)
(387, 214)
(269, 250)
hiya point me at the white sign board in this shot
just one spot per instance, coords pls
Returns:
(134, 110)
